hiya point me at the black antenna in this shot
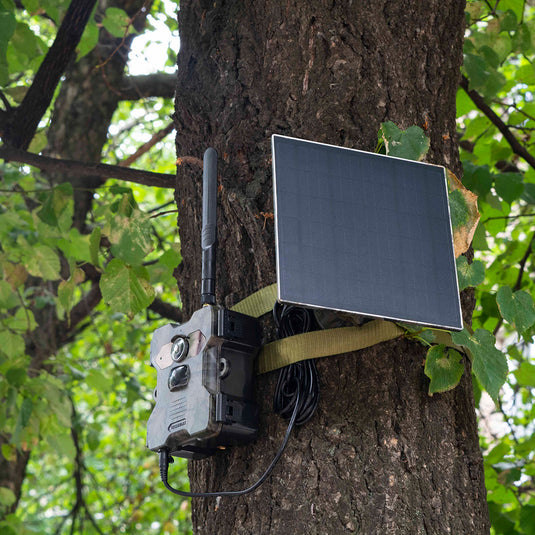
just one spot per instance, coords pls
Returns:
(209, 230)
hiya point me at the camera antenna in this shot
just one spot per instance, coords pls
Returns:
(209, 229)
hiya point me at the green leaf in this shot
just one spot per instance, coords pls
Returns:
(62, 444)
(508, 21)
(477, 178)
(500, 521)
(172, 257)
(116, 21)
(126, 288)
(527, 516)
(445, 367)
(516, 308)
(483, 77)
(7, 27)
(488, 363)
(31, 5)
(97, 380)
(94, 245)
(11, 344)
(509, 186)
(469, 275)
(42, 261)
(76, 246)
(59, 404)
(525, 374)
(23, 320)
(25, 43)
(496, 454)
(57, 210)
(66, 294)
(464, 103)
(7, 497)
(25, 412)
(479, 243)
(130, 236)
(8, 298)
(410, 144)
(459, 210)
(89, 39)
(93, 437)
(16, 376)
(529, 193)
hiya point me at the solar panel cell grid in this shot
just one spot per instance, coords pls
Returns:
(363, 233)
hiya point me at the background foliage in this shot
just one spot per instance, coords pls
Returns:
(83, 415)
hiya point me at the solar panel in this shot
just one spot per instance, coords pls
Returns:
(363, 233)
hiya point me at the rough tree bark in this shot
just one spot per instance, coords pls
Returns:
(380, 455)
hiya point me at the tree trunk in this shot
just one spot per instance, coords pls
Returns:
(380, 455)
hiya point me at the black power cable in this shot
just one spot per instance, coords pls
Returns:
(165, 460)
(296, 396)
(300, 377)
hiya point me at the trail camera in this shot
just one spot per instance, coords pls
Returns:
(206, 367)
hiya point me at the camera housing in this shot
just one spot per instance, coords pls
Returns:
(205, 383)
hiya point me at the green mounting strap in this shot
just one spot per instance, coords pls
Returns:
(316, 344)
(259, 303)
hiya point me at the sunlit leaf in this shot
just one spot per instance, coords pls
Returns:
(464, 214)
(410, 144)
(469, 275)
(116, 21)
(11, 344)
(525, 374)
(43, 261)
(8, 298)
(126, 288)
(517, 308)
(488, 363)
(445, 367)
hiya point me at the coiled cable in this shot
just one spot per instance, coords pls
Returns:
(300, 377)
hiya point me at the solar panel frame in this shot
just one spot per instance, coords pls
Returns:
(316, 198)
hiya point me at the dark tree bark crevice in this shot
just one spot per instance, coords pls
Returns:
(380, 455)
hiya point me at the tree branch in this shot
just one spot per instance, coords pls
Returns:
(158, 136)
(166, 310)
(149, 85)
(23, 121)
(104, 171)
(479, 101)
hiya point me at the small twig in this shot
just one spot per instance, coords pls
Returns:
(127, 29)
(163, 213)
(152, 210)
(507, 217)
(158, 136)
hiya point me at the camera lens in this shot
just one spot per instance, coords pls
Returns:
(180, 348)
